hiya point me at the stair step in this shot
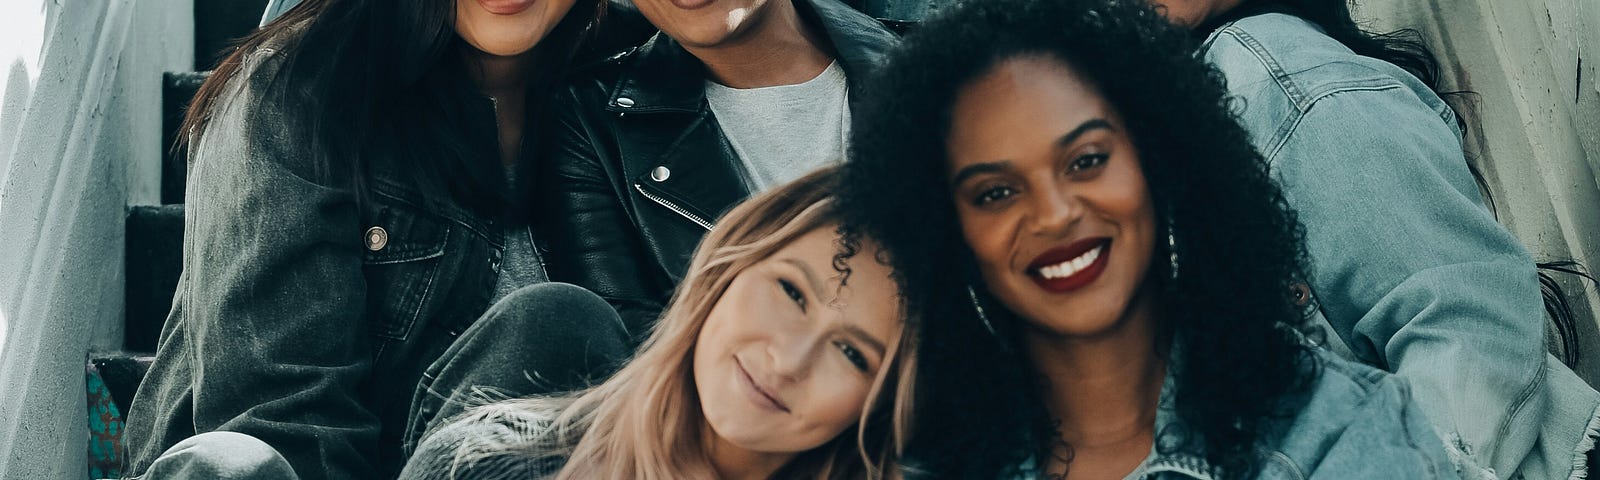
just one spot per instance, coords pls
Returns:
(154, 262)
(177, 89)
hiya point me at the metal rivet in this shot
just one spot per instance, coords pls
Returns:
(660, 174)
(377, 238)
(625, 102)
(1301, 292)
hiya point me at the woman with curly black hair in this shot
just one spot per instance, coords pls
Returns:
(1408, 264)
(1103, 265)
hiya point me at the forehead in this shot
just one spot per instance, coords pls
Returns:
(1020, 105)
(869, 299)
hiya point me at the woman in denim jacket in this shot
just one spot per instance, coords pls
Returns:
(349, 216)
(1411, 270)
(1068, 169)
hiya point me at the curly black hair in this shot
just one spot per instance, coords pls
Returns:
(1242, 365)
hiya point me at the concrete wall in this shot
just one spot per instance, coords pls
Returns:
(1534, 120)
(80, 138)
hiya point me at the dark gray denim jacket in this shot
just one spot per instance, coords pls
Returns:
(304, 318)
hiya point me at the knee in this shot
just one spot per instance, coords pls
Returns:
(222, 455)
(555, 314)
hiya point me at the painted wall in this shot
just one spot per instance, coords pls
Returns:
(80, 138)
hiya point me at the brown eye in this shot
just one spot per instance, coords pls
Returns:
(793, 293)
(854, 356)
(992, 195)
(1088, 162)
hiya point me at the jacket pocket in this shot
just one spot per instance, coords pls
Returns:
(404, 248)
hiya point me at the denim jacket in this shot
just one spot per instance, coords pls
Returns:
(1412, 272)
(303, 317)
(1355, 422)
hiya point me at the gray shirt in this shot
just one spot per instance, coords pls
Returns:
(782, 133)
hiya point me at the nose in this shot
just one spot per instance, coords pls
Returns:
(1054, 210)
(791, 354)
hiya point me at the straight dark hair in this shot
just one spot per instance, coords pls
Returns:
(388, 81)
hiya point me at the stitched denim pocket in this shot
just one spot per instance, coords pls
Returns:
(403, 249)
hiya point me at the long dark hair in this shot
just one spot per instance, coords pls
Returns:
(1404, 48)
(372, 80)
(1241, 363)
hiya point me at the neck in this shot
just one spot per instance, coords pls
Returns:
(505, 80)
(496, 75)
(1105, 389)
(733, 462)
(777, 50)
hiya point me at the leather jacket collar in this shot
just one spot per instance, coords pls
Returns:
(667, 78)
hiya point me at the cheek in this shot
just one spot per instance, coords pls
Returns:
(989, 237)
(840, 400)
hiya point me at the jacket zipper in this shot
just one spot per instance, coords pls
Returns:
(663, 202)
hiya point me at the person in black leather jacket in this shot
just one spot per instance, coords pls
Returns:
(641, 163)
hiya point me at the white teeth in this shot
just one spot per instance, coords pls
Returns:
(1071, 267)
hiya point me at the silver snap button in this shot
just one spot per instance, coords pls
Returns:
(625, 102)
(377, 238)
(660, 174)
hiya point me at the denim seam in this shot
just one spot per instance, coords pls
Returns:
(1522, 399)
(1300, 116)
(1283, 458)
(1274, 69)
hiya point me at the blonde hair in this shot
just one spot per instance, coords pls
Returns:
(645, 421)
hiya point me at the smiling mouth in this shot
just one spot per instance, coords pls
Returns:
(1064, 269)
(692, 4)
(761, 396)
(506, 7)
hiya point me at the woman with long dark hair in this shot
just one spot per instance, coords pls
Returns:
(1409, 266)
(1103, 266)
(350, 213)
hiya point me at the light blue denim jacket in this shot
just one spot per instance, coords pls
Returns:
(1357, 423)
(1412, 272)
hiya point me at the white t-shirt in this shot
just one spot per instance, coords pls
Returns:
(782, 133)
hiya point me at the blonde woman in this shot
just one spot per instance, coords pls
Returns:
(784, 354)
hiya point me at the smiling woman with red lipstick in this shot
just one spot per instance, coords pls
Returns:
(783, 356)
(352, 210)
(1101, 264)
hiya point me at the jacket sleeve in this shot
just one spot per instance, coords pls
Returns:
(1413, 272)
(1388, 437)
(273, 295)
(592, 240)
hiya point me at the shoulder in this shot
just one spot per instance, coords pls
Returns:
(1356, 420)
(1298, 59)
(600, 75)
(501, 440)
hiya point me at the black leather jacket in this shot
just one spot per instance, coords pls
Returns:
(639, 170)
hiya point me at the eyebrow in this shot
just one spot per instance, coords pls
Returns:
(811, 275)
(1001, 165)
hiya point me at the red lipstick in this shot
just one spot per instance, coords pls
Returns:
(1081, 277)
